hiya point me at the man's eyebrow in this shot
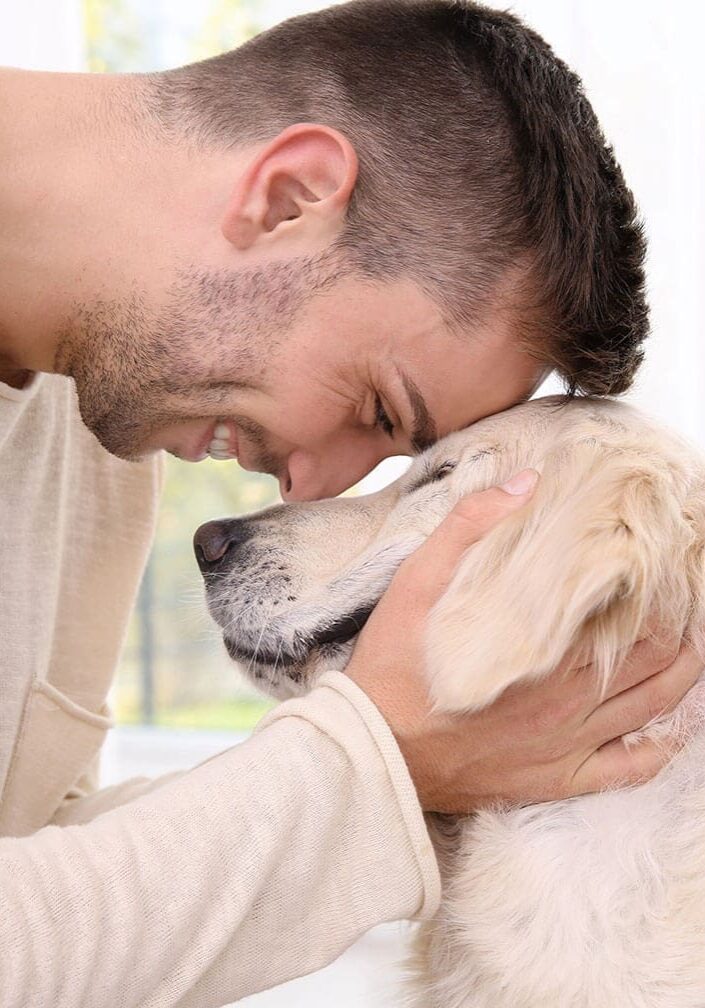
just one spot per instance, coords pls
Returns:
(424, 432)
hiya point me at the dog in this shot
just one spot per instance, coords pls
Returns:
(591, 902)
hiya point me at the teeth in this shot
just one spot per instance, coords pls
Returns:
(219, 448)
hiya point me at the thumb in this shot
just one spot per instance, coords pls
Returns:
(471, 518)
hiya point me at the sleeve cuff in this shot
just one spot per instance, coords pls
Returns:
(327, 706)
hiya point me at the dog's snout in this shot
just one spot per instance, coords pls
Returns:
(214, 540)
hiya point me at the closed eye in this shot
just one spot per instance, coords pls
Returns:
(382, 418)
(432, 476)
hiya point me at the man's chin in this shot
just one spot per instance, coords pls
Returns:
(132, 451)
(123, 440)
(122, 448)
(132, 455)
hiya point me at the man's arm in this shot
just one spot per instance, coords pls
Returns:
(262, 864)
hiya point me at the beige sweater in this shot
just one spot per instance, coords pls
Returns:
(194, 890)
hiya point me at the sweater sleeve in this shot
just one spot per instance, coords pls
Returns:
(262, 864)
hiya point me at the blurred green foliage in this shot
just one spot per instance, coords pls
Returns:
(129, 36)
(240, 714)
(113, 39)
(227, 24)
(194, 681)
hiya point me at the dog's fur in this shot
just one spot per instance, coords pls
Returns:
(593, 902)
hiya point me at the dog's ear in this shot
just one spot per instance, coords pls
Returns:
(605, 542)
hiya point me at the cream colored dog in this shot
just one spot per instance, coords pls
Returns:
(593, 902)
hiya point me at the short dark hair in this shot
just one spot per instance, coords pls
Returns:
(484, 174)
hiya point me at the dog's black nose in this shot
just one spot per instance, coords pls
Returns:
(214, 540)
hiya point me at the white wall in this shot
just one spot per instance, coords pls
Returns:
(641, 66)
(41, 34)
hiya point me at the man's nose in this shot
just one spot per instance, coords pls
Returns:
(309, 477)
(219, 540)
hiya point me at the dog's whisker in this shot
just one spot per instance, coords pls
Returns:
(253, 660)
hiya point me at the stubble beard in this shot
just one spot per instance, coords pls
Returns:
(138, 372)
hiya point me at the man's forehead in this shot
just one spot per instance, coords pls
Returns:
(464, 399)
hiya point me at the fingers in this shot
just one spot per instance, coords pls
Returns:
(614, 765)
(469, 521)
(646, 658)
(634, 708)
(654, 651)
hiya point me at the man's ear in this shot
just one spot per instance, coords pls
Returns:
(297, 188)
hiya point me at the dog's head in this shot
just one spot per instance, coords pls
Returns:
(292, 586)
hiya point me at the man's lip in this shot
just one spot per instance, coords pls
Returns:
(200, 451)
(203, 447)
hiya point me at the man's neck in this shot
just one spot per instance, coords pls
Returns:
(13, 376)
(100, 203)
(57, 132)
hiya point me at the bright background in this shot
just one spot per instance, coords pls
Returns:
(640, 61)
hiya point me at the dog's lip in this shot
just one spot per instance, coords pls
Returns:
(282, 659)
(344, 628)
(340, 632)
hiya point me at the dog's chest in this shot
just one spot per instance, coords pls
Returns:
(596, 902)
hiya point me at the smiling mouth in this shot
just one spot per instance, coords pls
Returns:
(340, 632)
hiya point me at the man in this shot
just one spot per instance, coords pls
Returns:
(362, 230)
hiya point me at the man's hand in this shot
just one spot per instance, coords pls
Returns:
(539, 741)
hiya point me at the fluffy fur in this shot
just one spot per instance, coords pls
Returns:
(593, 902)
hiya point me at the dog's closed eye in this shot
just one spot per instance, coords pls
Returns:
(432, 476)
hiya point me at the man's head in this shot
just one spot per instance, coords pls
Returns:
(405, 214)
